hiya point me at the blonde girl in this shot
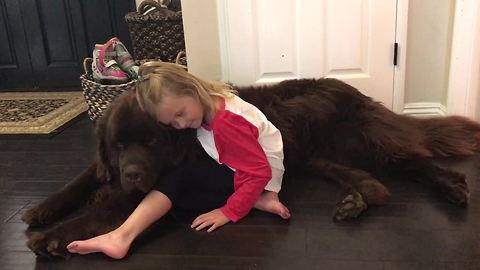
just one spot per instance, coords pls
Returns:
(244, 169)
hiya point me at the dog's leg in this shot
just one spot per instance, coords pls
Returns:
(64, 201)
(362, 188)
(449, 182)
(99, 219)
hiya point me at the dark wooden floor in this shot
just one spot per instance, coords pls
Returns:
(416, 230)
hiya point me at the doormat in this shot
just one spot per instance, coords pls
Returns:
(38, 113)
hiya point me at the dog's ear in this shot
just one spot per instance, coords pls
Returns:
(103, 164)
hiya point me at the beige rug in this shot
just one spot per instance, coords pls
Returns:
(38, 113)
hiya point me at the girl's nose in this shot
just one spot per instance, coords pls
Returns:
(179, 123)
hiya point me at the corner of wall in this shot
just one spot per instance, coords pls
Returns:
(200, 24)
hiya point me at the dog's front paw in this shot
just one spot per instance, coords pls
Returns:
(458, 194)
(350, 207)
(39, 215)
(46, 246)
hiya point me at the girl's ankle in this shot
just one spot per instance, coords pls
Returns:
(122, 236)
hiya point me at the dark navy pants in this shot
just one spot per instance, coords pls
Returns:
(199, 186)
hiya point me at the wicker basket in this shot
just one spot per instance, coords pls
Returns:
(98, 96)
(157, 34)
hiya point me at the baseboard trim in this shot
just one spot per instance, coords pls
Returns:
(425, 109)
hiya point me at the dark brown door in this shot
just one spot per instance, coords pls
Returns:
(43, 42)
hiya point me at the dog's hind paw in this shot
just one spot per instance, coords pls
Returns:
(350, 207)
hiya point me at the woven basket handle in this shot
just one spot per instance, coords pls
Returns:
(179, 55)
(148, 4)
(177, 59)
(87, 65)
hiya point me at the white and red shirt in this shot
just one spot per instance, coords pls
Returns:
(241, 137)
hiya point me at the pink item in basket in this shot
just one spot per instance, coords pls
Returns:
(105, 69)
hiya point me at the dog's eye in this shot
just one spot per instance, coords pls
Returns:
(152, 142)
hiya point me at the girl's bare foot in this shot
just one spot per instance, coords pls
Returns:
(269, 202)
(110, 243)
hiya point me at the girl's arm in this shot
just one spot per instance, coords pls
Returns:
(238, 147)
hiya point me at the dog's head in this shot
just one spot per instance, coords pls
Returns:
(134, 149)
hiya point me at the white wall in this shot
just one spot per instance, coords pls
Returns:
(475, 82)
(203, 44)
(430, 26)
(428, 51)
(430, 29)
(201, 14)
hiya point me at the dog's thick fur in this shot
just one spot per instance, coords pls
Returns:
(329, 129)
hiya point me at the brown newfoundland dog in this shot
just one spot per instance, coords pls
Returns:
(329, 129)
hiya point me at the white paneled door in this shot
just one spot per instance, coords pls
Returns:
(272, 40)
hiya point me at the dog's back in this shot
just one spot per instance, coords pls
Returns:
(329, 119)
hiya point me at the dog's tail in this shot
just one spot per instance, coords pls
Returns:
(451, 136)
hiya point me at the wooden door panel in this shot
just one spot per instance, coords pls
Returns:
(105, 19)
(54, 52)
(15, 67)
(59, 35)
(351, 40)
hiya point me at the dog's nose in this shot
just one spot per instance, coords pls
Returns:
(134, 176)
(133, 173)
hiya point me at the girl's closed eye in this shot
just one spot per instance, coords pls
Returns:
(179, 114)
(161, 124)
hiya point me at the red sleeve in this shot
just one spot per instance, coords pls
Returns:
(237, 144)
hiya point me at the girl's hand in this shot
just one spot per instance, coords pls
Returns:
(214, 219)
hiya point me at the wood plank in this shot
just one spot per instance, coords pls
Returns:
(417, 229)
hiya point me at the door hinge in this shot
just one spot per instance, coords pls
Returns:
(395, 53)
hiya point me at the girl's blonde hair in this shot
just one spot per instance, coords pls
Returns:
(155, 78)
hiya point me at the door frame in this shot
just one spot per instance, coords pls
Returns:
(464, 78)
(399, 71)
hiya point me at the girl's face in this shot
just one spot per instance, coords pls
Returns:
(180, 111)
